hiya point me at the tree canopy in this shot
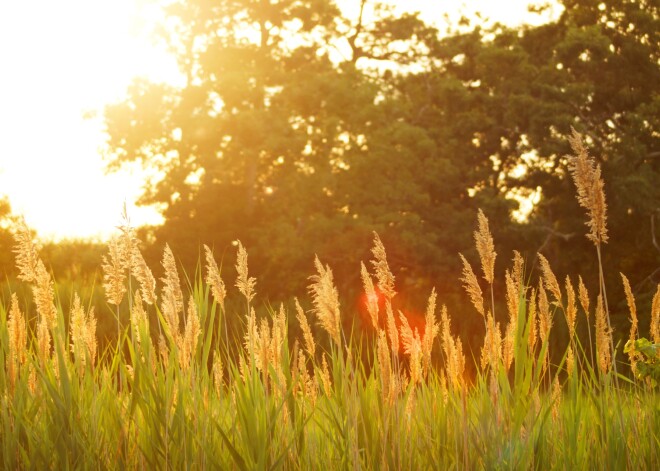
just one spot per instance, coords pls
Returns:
(300, 131)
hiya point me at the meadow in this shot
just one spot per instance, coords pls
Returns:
(297, 390)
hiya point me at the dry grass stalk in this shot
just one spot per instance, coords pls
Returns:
(570, 362)
(172, 296)
(308, 338)
(307, 382)
(603, 338)
(655, 316)
(431, 330)
(383, 274)
(326, 301)
(17, 348)
(371, 295)
(591, 196)
(214, 280)
(485, 247)
(472, 287)
(244, 282)
(114, 276)
(550, 280)
(571, 308)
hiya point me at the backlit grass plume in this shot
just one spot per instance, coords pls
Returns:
(244, 282)
(326, 301)
(590, 193)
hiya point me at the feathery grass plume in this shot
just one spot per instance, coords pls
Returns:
(603, 338)
(214, 280)
(591, 196)
(44, 293)
(485, 247)
(549, 279)
(412, 346)
(310, 346)
(491, 353)
(385, 367)
(370, 293)
(326, 301)
(172, 296)
(190, 336)
(630, 299)
(142, 273)
(127, 240)
(114, 275)
(392, 331)
(244, 283)
(453, 350)
(27, 253)
(383, 274)
(571, 308)
(583, 296)
(307, 383)
(655, 316)
(17, 348)
(431, 330)
(570, 362)
(325, 377)
(407, 336)
(472, 287)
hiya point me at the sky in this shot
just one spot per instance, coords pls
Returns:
(64, 60)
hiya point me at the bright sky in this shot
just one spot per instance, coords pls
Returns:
(61, 59)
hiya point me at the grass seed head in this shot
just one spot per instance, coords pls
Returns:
(590, 194)
(485, 247)
(472, 287)
(383, 274)
(214, 280)
(244, 282)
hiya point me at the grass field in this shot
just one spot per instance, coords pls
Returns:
(179, 391)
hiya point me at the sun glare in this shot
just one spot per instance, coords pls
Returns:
(61, 61)
(67, 59)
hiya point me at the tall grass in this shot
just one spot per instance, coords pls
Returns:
(180, 391)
